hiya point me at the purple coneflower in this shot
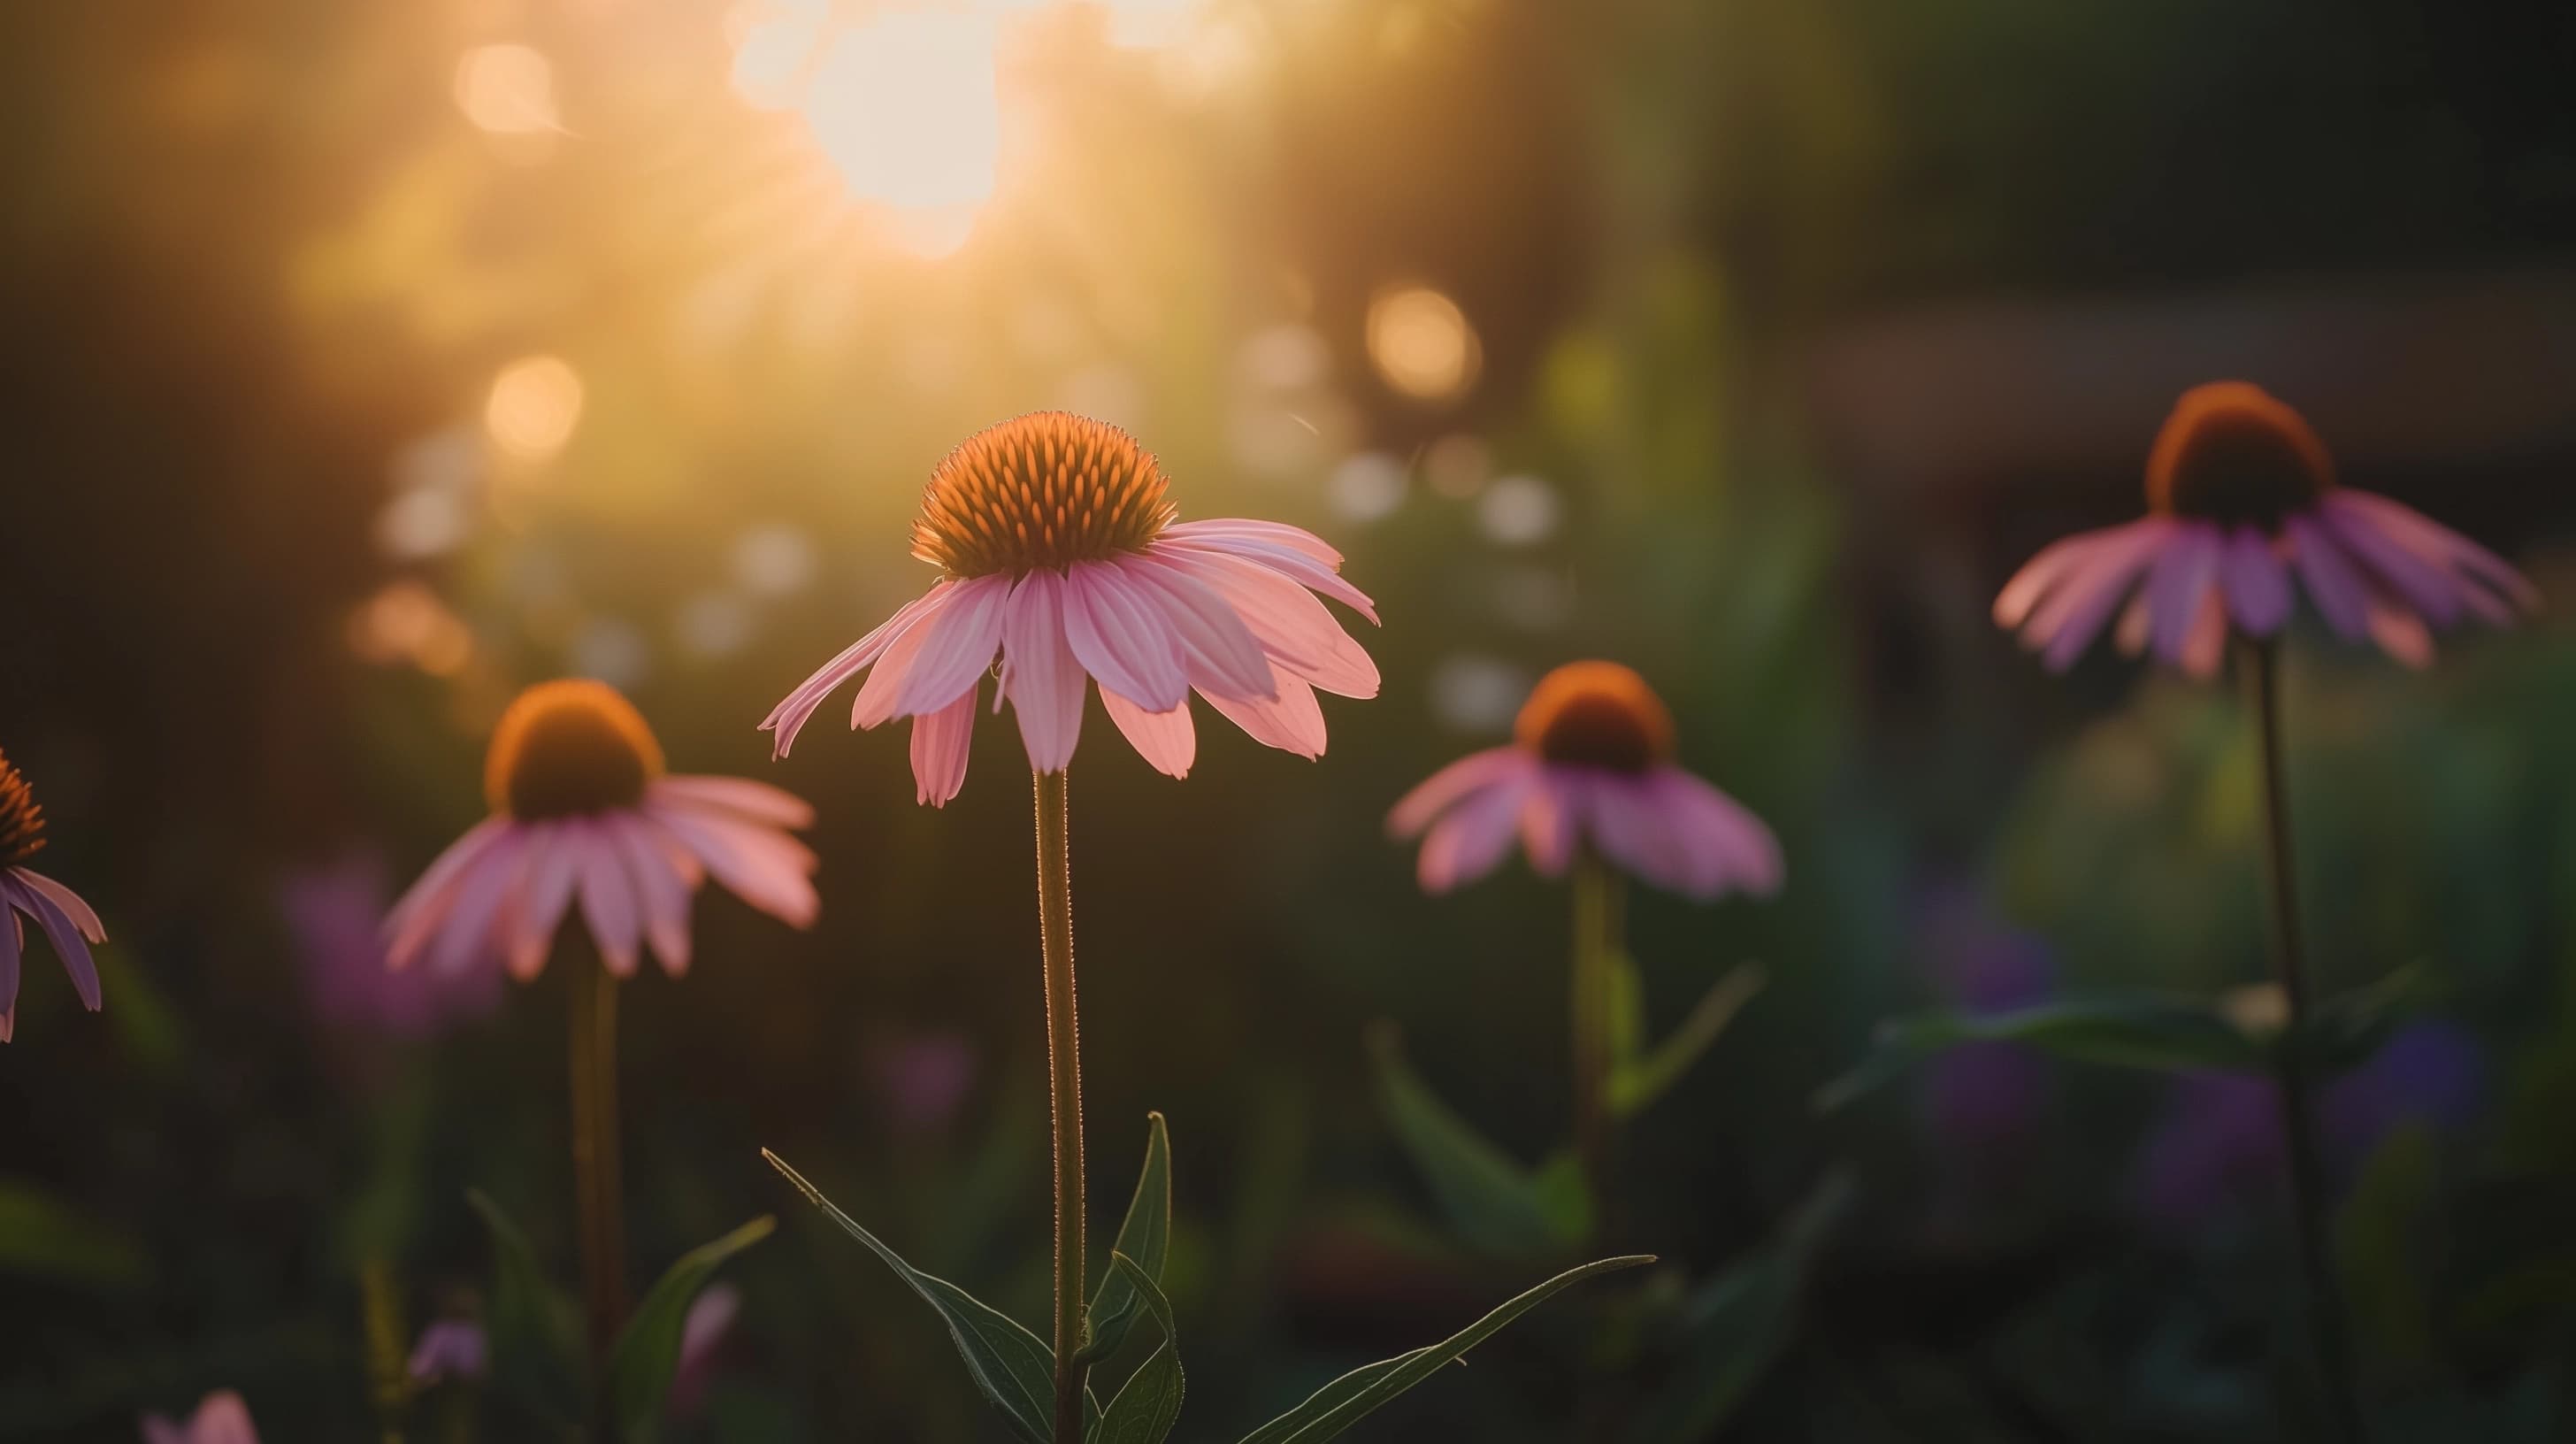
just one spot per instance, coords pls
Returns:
(1590, 767)
(222, 1419)
(65, 920)
(1060, 553)
(2243, 499)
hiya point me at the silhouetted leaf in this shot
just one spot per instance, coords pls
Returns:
(1493, 1203)
(2345, 1030)
(647, 1354)
(2155, 1033)
(530, 1326)
(1013, 1368)
(1150, 1403)
(1145, 1237)
(1639, 1081)
(1346, 1400)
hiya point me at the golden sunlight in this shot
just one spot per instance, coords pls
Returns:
(1421, 343)
(534, 405)
(507, 90)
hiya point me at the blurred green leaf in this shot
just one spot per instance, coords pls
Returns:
(1150, 1403)
(2163, 1034)
(2376, 1234)
(1640, 1081)
(43, 1237)
(1740, 1323)
(2347, 1029)
(535, 1341)
(1013, 1368)
(648, 1352)
(1348, 1399)
(1146, 1237)
(1495, 1205)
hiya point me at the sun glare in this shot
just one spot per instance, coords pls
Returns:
(534, 405)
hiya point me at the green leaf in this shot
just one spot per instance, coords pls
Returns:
(648, 1351)
(1741, 1323)
(1013, 1368)
(1640, 1081)
(2345, 1030)
(1494, 1204)
(533, 1332)
(1348, 1399)
(2157, 1033)
(1150, 1403)
(1145, 1237)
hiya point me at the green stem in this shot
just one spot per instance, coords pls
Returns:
(1597, 908)
(597, 1187)
(1064, 1096)
(2298, 1113)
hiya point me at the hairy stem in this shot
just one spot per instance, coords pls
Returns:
(2326, 1321)
(1064, 1096)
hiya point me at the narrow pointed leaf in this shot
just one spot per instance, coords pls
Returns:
(1494, 1203)
(2163, 1034)
(1640, 1081)
(1150, 1402)
(1013, 1368)
(647, 1354)
(534, 1339)
(2348, 1028)
(1345, 1401)
(1146, 1238)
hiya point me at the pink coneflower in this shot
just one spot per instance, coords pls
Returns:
(581, 805)
(1060, 554)
(2243, 499)
(66, 921)
(1590, 767)
(222, 1419)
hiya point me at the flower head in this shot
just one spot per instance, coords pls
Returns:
(581, 807)
(2242, 500)
(222, 1419)
(1059, 553)
(1590, 766)
(25, 894)
(450, 1351)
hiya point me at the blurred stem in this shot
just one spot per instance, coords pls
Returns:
(597, 1187)
(1597, 908)
(1064, 1096)
(2262, 667)
(380, 1318)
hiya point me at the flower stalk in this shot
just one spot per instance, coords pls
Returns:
(598, 1183)
(2329, 1331)
(1064, 1096)
(1598, 908)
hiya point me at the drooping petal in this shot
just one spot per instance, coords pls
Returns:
(1731, 848)
(465, 933)
(751, 801)
(450, 1350)
(1168, 741)
(789, 716)
(958, 648)
(2334, 584)
(874, 703)
(941, 741)
(2400, 630)
(537, 913)
(2256, 581)
(1276, 533)
(2186, 569)
(1044, 680)
(661, 892)
(1122, 638)
(1296, 565)
(2043, 574)
(63, 933)
(1445, 788)
(222, 1419)
(1470, 838)
(1291, 721)
(69, 901)
(2137, 625)
(2432, 592)
(1625, 821)
(409, 922)
(1292, 627)
(764, 867)
(2205, 645)
(608, 902)
(13, 938)
(2073, 614)
(2496, 589)
(1549, 823)
(1220, 652)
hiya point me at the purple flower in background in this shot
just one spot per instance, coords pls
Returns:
(450, 1351)
(924, 1079)
(1983, 1094)
(2222, 1131)
(702, 1336)
(57, 911)
(221, 1419)
(334, 913)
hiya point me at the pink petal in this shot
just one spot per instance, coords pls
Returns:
(222, 1419)
(1450, 785)
(536, 914)
(1044, 680)
(1296, 565)
(2256, 581)
(751, 801)
(408, 923)
(1296, 539)
(941, 741)
(661, 892)
(1166, 740)
(1472, 837)
(69, 901)
(2399, 630)
(2439, 545)
(464, 935)
(69, 946)
(1291, 721)
(2137, 622)
(1216, 647)
(875, 702)
(608, 902)
(1730, 848)
(2066, 623)
(2043, 574)
(789, 716)
(13, 940)
(1292, 627)
(959, 648)
(2432, 592)
(1122, 638)
(1548, 825)
(2205, 645)
(1631, 829)
(764, 867)
(2342, 598)
(2185, 572)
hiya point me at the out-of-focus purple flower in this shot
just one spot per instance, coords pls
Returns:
(2221, 1137)
(924, 1079)
(334, 913)
(1982, 1095)
(451, 1351)
(221, 1419)
(702, 1335)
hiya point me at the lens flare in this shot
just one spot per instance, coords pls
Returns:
(534, 405)
(1421, 343)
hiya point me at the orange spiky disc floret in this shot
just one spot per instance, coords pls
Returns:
(2235, 454)
(1596, 714)
(22, 822)
(1044, 490)
(568, 748)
